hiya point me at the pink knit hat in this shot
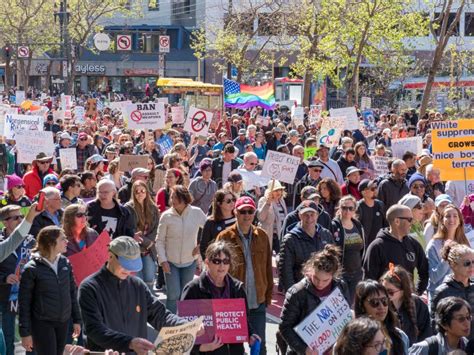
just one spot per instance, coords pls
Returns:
(13, 181)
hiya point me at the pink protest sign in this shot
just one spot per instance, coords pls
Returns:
(91, 259)
(226, 318)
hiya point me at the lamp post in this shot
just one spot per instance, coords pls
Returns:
(63, 15)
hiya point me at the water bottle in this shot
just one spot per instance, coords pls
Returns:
(255, 348)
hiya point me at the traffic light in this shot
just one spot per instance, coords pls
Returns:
(7, 52)
(141, 43)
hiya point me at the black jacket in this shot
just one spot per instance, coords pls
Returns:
(407, 253)
(371, 218)
(199, 289)
(124, 222)
(452, 288)
(217, 166)
(45, 295)
(344, 164)
(208, 234)
(295, 250)
(125, 192)
(339, 234)
(43, 220)
(390, 191)
(116, 311)
(422, 316)
(272, 142)
(300, 301)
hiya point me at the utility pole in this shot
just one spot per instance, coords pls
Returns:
(63, 16)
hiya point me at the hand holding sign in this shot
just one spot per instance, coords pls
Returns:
(198, 121)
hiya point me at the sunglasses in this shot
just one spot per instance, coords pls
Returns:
(83, 139)
(375, 302)
(317, 170)
(462, 319)
(417, 187)
(217, 261)
(348, 208)
(409, 219)
(44, 162)
(15, 218)
(229, 200)
(80, 214)
(246, 212)
(51, 183)
(253, 164)
(20, 186)
(468, 263)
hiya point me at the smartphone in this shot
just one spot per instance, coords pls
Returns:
(40, 205)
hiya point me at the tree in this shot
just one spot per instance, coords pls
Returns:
(442, 26)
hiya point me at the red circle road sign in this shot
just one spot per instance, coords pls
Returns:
(164, 42)
(198, 121)
(123, 42)
(23, 51)
(136, 116)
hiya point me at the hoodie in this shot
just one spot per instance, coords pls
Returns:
(387, 249)
(390, 191)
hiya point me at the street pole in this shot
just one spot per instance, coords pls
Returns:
(63, 16)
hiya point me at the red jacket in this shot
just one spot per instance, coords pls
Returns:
(33, 183)
(351, 189)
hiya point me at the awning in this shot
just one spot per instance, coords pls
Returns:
(178, 85)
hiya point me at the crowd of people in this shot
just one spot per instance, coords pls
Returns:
(198, 223)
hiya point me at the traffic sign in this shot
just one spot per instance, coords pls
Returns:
(164, 44)
(23, 52)
(124, 42)
(102, 41)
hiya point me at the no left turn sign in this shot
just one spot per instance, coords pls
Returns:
(164, 44)
(124, 42)
(23, 52)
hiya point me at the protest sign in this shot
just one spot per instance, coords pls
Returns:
(79, 114)
(91, 107)
(130, 162)
(179, 339)
(280, 166)
(5, 109)
(68, 158)
(380, 164)
(66, 102)
(165, 143)
(264, 121)
(365, 103)
(310, 152)
(315, 113)
(350, 114)
(297, 115)
(225, 318)
(91, 259)
(369, 118)
(30, 143)
(403, 145)
(145, 115)
(198, 121)
(177, 114)
(322, 327)
(330, 132)
(19, 97)
(15, 123)
(253, 179)
(163, 100)
(453, 149)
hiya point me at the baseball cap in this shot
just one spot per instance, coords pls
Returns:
(315, 164)
(308, 206)
(243, 202)
(410, 201)
(127, 251)
(323, 145)
(139, 171)
(242, 132)
(65, 135)
(277, 130)
(50, 177)
(116, 132)
(366, 184)
(442, 198)
(294, 133)
(96, 158)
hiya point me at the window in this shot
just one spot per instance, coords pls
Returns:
(469, 24)
(451, 18)
(153, 5)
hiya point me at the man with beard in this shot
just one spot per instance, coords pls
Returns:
(394, 187)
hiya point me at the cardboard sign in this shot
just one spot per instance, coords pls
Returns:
(350, 114)
(130, 162)
(403, 145)
(179, 339)
(145, 116)
(365, 103)
(90, 260)
(197, 121)
(453, 149)
(322, 327)
(16, 123)
(163, 100)
(177, 114)
(331, 129)
(297, 115)
(225, 318)
(91, 107)
(253, 179)
(310, 152)
(380, 164)
(280, 166)
(68, 158)
(30, 143)
(19, 97)
(264, 121)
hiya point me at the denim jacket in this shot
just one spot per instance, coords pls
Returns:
(438, 268)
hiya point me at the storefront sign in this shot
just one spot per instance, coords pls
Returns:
(90, 68)
(132, 72)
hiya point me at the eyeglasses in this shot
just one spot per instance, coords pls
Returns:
(80, 214)
(375, 302)
(467, 263)
(246, 212)
(462, 319)
(409, 219)
(229, 200)
(392, 292)
(217, 261)
(348, 208)
(83, 139)
(378, 346)
(418, 186)
(316, 170)
(43, 162)
(15, 218)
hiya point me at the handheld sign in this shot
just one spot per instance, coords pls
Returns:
(225, 318)
(403, 145)
(198, 121)
(380, 164)
(330, 132)
(130, 162)
(297, 115)
(177, 340)
(177, 114)
(350, 113)
(19, 97)
(322, 327)
(31, 143)
(16, 123)
(79, 113)
(145, 116)
(68, 158)
(309, 152)
(280, 166)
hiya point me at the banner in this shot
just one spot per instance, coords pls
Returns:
(330, 132)
(403, 145)
(280, 166)
(90, 260)
(68, 158)
(145, 116)
(177, 340)
(322, 327)
(380, 164)
(130, 162)
(225, 318)
(350, 114)
(453, 149)
(30, 143)
(177, 114)
(16, 123)
(197, 121)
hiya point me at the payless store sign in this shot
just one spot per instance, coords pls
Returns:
(90, 68)
(453, 149)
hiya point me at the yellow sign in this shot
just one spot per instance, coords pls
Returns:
(453, 149)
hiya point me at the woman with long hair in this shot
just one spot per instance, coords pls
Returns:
(76, 229)
(330, 193)
(450, 229)
(222, 217)
(431, 225)
(95, 164)
(361, 336)
(145, 218)
(363, 161)
(412, 312)
(371, 299)
(173, 177)
(151, 176)
(115, 174)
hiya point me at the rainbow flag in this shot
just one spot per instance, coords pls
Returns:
(245, 96)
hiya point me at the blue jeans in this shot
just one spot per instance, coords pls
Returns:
(258, 318)
(147, 274)
(175, 282)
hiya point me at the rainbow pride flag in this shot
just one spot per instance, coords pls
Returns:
(244, 96)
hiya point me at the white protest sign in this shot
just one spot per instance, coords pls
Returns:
(68, 158)
(177, 114)
(16, 123)
(145, 116)
(380, 164)
(30, 143)
(331, 129)
(365, 103)
(297, 115)
(264, 121)
(280, 166)
(19, 97)
(118, 105)
(79, 113)
(5, 109)
(253, 179)
(66, 102)
(315, 113)
(179, 339)
(162, 99)
(198, 121)
(352, 121)
(322, 327)
(403, 145)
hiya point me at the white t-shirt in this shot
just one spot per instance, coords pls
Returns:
(226, 169)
